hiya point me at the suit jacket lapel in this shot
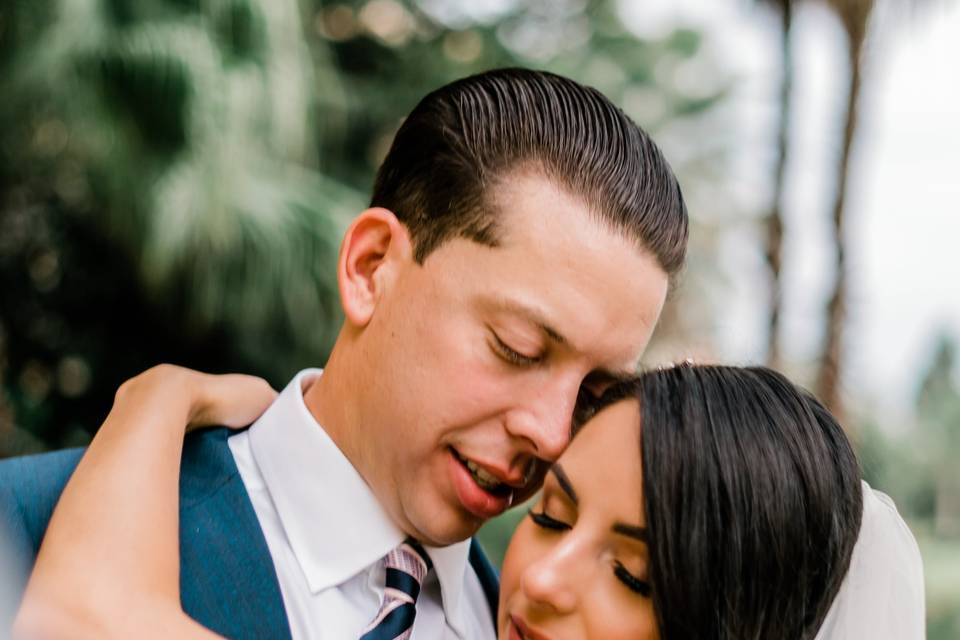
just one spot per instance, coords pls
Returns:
(489, 580)
(227, 578)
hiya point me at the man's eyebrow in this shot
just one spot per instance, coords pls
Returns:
(532, 316)
(631, 531)
(564, 481)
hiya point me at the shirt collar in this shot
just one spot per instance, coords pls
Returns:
(335, 525)
(450, 564)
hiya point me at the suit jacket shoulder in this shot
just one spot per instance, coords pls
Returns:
(29, 489)
(227, 578)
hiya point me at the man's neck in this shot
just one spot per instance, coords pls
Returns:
(332, 400)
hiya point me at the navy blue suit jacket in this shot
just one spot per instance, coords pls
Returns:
(227, 579)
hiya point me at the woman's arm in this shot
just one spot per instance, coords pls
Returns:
(109, 564)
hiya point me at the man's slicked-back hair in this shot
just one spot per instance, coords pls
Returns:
(460, 140)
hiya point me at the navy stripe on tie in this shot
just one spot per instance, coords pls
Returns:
(403, 581)
(396, 622)
(405, 567)
(416, 546)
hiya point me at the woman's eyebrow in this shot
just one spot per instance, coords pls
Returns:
(631, 531)
(564, 482)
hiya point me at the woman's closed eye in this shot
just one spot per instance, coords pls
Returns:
(545, 521)
(632, 582)
(637, 585)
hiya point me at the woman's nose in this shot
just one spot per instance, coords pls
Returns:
(551, 581)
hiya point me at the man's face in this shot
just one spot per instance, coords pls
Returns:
(477, 356)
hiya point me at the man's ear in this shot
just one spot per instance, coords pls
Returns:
(374, 248)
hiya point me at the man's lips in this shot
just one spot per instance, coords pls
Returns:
(483, 502)
(512, 476)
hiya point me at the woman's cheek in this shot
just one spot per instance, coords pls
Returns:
(612, 612)
(519, 553)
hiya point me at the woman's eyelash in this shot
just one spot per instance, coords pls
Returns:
(632, 582)
(512, 355)
(543, 520)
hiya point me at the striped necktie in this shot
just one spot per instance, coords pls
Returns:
(407, 565)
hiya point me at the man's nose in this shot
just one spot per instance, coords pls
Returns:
(550, 581)
(545, 420)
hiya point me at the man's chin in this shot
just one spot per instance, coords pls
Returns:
(446, 526)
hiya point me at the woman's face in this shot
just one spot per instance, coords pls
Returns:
(577, 565)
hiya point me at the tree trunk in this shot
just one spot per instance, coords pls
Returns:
(774, 219)
(854, 14)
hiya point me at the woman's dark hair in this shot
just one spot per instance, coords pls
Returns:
(440, 174)
(752, 501)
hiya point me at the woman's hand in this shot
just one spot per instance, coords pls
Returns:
(199, 399)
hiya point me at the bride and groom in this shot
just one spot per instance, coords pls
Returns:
(498, 295)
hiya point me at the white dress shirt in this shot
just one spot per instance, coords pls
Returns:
(327, 534)
(882, 595)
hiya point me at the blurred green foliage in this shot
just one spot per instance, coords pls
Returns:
(917, 468)
(175, 176)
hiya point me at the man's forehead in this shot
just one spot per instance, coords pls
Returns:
(527, 203)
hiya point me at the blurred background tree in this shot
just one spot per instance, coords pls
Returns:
(774, 222)
(854, 16)
(175, 177)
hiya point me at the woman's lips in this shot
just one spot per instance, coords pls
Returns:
(519, 630)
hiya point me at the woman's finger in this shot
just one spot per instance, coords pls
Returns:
(231, 400)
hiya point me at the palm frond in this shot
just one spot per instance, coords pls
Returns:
(197, 130)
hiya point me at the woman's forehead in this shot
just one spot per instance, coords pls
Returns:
(608, 442)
